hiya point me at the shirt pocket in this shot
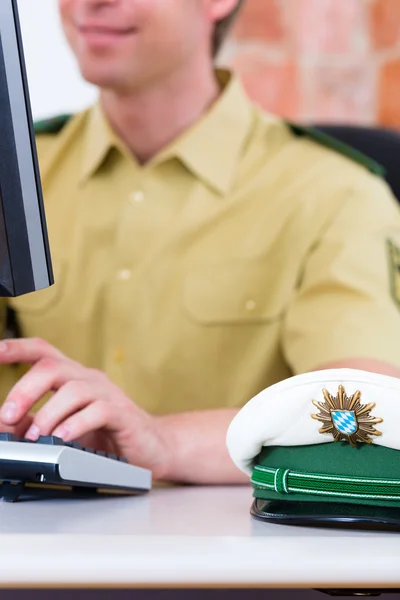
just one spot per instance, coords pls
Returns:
(233, 292)
(42, 301)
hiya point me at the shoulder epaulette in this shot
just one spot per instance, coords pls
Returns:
(331, 142)
(53, 125)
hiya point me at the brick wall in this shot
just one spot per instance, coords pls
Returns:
(321, 60)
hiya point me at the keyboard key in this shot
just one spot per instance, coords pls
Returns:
(73, 445)
(91, 450)
(111, 455)
(101, 453)
(51, 440)
(123, 459)
(8, 437)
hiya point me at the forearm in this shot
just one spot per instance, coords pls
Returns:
(196, 449)
(194, 442)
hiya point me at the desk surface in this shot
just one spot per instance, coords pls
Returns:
(191, 536)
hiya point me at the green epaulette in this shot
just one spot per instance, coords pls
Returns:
(53, 125)
(335, 144)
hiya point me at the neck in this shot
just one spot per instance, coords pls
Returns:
(148, 120)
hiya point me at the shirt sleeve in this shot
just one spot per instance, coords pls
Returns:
(347, 303)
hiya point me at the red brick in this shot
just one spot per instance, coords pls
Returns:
(326, 26)
(261, 20)
(343, 94)
(317, 59)
(272, 85)
(389, 94)
(384, 23)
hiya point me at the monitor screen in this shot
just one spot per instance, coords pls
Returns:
(25, 262)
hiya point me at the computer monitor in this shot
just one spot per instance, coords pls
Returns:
(25, 262)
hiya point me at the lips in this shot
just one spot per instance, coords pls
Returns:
(105, 30)
(99, 35)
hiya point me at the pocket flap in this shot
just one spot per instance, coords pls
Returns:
(240, 290)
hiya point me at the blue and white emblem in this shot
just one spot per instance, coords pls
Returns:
(345, 421)
(345, 418)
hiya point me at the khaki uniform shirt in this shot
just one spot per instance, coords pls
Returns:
(239, 255)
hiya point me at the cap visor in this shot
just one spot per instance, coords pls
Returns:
(323, 514)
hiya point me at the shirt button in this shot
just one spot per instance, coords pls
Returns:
(136, 197)
(118, 355)
(250, 305)
(124, 274)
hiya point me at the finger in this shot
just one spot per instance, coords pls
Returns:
(19, 429)
(26, 350)
(70, 399)
(47, 375)
(94, 416)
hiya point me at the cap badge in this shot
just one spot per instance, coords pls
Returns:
(346, 418)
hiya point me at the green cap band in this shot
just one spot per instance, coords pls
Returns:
(333, 472)
(284, 481)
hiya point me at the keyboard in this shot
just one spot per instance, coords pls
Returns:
(50, 467)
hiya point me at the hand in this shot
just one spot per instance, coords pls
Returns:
(85, 406)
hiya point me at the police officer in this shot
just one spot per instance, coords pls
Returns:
(203, 250)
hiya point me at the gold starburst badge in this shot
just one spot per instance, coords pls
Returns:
(346, 418)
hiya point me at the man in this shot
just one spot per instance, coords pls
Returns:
(202, 251)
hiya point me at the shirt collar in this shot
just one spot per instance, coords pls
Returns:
(210, 148)
(99, 140)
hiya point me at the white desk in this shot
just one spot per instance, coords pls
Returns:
(189, 537)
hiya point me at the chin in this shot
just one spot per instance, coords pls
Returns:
(99, 77)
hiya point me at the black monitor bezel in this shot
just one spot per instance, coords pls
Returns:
(22, 277)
